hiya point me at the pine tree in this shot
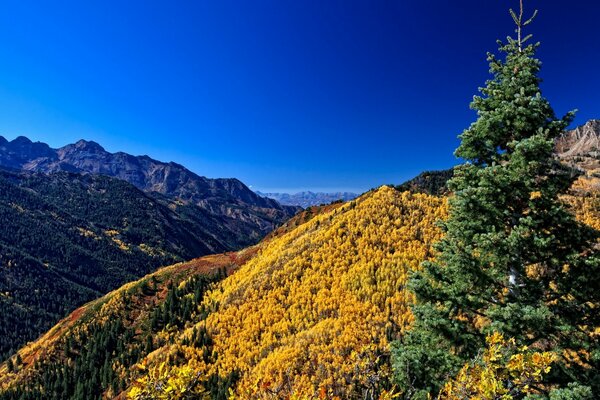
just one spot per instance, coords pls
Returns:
(513, 259)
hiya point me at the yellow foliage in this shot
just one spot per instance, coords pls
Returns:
(503, 372)
(315, 310)
(162, 382)
(585, 201)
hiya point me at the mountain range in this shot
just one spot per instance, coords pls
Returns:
(227, 197)
(308, 199)
(112, 218)
(307, 312)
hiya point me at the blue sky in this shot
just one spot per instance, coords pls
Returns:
(284, 95)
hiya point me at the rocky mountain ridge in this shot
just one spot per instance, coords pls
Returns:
(222, 197)
(580, 147)
(79, 221)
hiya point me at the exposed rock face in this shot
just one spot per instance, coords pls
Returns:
(21, 150)
(581, 146)
(583, 140)
(222, 197)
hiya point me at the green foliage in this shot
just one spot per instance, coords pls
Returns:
(429, 182)
(513, 258)
(68, 238)
(95, 354)
(573, 391)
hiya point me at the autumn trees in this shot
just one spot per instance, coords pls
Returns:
(513, 259)
(312, 314)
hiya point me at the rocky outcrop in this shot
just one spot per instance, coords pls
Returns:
(580, 147)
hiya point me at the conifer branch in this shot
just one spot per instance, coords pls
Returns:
(520, 24)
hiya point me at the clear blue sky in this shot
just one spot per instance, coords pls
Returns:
(284, 95)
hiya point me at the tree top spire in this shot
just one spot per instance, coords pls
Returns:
(520, 24)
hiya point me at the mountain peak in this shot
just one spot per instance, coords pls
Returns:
(89, 145)
(20, 140)
(581, 141)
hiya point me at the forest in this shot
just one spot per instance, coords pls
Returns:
(104, 232)
(475, 283)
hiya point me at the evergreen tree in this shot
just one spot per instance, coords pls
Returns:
(513, 259)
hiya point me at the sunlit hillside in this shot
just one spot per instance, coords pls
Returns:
(308, 313)
(92, 352)
(313, 313)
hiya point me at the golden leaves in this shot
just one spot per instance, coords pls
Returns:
(502, 372)
(163, 382)
(313, 311)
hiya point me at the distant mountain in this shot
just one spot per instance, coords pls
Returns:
(221, 197)
(78, 221)
(307, 199)
(581, 146)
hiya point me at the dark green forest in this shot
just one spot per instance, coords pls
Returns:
(93, 352)
(69, 238)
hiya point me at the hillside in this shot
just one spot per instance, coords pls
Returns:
(145, 307)
(324, 300)
(309, 289)
(106, 337)
(220, 197)
(104, 232)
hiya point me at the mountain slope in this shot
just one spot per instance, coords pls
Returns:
(324, 300)
(68, 238)
(221, 197)
(58, 363)
(309, 311)
(107, 336)
(323, 291)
